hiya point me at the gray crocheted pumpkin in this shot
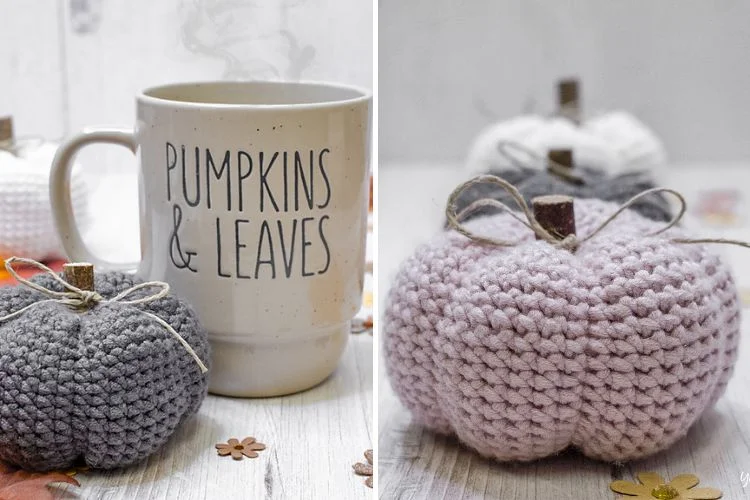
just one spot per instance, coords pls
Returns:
(532, 182)
(108, 385)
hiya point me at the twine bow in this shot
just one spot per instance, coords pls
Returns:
(570, 242)
(76, 298)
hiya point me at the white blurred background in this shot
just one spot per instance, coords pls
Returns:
(448, 68)
(65, 64)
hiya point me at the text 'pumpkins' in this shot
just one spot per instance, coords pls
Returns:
(108, 384)
(523, 351)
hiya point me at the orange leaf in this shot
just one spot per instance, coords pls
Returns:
(16, 484)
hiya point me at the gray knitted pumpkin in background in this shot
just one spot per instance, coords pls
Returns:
(596, 183)
(107, 385)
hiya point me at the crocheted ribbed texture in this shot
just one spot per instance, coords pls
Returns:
(109, 385)
(597, 184)
(26, 225)
(523, 351)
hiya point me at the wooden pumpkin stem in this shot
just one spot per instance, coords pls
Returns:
(555, 214)
(563, 157)
(80, 275)
(6, 128)
(568, 99)
(561, 164)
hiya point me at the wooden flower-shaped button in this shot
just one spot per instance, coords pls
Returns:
(652, 486)
(363, 469)
(248, 447)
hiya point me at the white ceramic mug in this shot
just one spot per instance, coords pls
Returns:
(253, 207)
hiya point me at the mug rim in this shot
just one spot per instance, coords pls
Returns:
(364, 95)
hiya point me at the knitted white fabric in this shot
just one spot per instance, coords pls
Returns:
(26, 225)
(635, 145)
(615, 142)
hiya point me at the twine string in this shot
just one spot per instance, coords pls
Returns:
(77, 298)
(570, 242)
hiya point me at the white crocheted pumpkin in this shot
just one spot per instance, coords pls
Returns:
(26, 225)
(616, 142)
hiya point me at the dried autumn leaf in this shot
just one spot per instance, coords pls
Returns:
(16, 484)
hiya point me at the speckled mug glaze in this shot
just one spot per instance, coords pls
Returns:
(253, 206)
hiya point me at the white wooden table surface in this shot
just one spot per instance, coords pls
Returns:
(312, 440)
(416, 464)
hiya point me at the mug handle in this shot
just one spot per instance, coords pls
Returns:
(59, 192)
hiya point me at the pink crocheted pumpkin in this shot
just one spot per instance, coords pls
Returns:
(520, 352)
